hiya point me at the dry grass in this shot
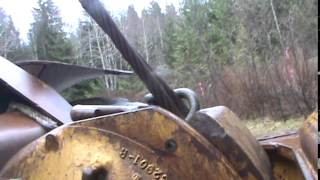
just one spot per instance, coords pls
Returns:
(261, 127)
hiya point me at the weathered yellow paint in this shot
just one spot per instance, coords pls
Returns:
(134, 146)
(97, 143)
(79, 148)
(309, 138)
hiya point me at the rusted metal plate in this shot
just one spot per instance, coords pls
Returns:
(226, 132)
(61, 75)
(34, 91)
(129, 146)
(283, 144)
(289, 147)
(285, 169)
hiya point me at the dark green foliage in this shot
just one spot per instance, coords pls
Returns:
(170, 35)
(47, 38)
(83, 90)
(23, 52)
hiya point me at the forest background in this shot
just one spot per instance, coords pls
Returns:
(259, 58)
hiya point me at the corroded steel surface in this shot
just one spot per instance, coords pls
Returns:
(294, 149)
(226, 132)
(34, 91)
(147, 144)
(285, 169)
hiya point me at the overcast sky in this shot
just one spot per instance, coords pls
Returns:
(70, 10)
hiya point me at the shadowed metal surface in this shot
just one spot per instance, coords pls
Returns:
(61, 75)
(34, 91)
(16, 131)
(226, 132)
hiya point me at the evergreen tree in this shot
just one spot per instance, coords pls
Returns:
(47, 38)
(133, 28)
(153, 25)
(170, 34)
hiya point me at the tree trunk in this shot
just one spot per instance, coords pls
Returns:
(277, 24)
(145, 41)
(101, 55)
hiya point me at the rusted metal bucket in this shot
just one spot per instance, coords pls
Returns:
(294, 155)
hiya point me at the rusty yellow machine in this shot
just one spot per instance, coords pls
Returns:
(166, 136)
